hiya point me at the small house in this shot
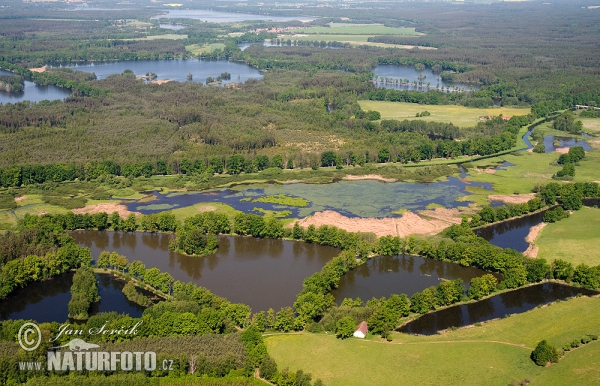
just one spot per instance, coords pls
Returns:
(361, 330)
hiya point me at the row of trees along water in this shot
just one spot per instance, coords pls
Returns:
(568, 195)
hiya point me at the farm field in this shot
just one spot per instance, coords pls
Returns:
(574, 239)
(458, 115)
(495, 353)
(197, 49)
(357, 29)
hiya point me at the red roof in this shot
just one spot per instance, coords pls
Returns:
(362, 327)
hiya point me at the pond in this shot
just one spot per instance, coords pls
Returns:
(173, 27)
(33, 92)
(223, 17)
(564, 142)
(387, 275)
(511, 233)
(47, 301)
(364, 198)
(517, 301)
(261, 273)
(174, 69)
(390, 73)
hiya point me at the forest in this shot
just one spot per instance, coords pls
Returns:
(299, 121)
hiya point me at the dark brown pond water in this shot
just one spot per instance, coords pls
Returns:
(387, 275)
(47, 301)
(261, 273)
(511, 233)
(520, 300)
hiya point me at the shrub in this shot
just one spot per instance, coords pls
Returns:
(544, 353)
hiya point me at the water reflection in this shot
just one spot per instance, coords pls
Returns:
(47, 301)
(386, 275)
(511, 233)
(520, 300)
(563, 142)
(262, 273)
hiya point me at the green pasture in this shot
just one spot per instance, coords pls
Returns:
(574, 239)
(197, 49)
(458, 115)
(591, 124)
(357, 29)
(493, 353)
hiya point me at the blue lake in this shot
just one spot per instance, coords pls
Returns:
(223, 17)
(33, 93)
(174, 69)
(567, 142)
(390, 75)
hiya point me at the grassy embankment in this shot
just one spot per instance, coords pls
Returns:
(355, 34)
(494, 353)
(574, 239)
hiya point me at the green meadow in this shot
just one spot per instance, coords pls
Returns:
(357, 29)
(574, 239)
(493, 353)
(458, 115)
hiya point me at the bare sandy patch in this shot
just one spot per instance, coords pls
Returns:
(535, 230)
(39, 69)
(512, 198)
(21, 198)
(368, 177)
(409, 224)
(530, 150)
(207, 208)
(159, 81)
(562, 150)
(106, 208)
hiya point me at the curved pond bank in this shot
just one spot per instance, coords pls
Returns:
(387, 275)
(517, 301)
(47, 301)
(261, 273)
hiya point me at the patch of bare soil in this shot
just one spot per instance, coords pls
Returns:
(106, 208)
(39, 69)
(409, 224)
(159, 81)
(207, 208)
(512, 198)
(368, 177)
(535, 230)
(19, 199)
(562, 150)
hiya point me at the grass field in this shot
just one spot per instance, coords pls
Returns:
(357, 29)
(495, 353)
(575, 239)
(458, 115)
(354, 40)
(197, 49)
(591, 124)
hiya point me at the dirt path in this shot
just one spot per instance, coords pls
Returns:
(512, 198)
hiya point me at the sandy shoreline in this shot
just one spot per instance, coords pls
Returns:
(107, 208)
(377, 177)
(409, 224)
(535, 230)
(512, 198)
